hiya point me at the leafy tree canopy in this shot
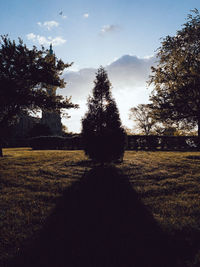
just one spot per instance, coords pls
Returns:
(176, 77)
(25, 76)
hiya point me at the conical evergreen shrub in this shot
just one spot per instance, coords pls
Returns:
(102, 133)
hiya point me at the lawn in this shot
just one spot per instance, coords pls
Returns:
(31, 182)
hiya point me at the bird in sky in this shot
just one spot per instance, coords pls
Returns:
(62, 15)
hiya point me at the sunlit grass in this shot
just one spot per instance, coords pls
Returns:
(32, 181)
(168, 183)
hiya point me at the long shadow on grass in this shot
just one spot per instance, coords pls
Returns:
(100, 222)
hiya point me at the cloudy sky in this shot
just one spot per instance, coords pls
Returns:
(121, 35)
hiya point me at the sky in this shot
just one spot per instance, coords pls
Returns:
(120, 35)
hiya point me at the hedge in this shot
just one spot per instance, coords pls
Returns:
(134, 142)
(55, 142)
(47, 142)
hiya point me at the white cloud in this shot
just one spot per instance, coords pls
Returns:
(31, 36)
(148, 56)
(49, 24)
(42, 40)
(109, 28)
(86, 15)
(58, 41)
(125, 72)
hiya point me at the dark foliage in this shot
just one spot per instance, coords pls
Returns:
(73, 142)
(102, 134)
(25, 77)
(56, 142)
(133, 142)
(101, 222)
(176, 96)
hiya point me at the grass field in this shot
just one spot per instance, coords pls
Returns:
(31, 182)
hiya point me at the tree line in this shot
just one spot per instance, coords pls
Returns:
(175, 100)
(26, 74)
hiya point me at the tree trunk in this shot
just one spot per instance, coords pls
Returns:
(1, 151)
(198, 144)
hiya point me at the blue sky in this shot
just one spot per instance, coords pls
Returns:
(91, 33)
(137, 25)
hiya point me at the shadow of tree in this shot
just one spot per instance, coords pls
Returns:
(100, 221)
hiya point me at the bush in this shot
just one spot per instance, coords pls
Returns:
(106, 146)
(73, 142)
(47, 142)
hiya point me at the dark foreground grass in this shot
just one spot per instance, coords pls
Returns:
(42, 202)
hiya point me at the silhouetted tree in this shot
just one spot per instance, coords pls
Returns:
(141, 115)
(24, 75)
(176, 96)
(147, 124)
(102, 133)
